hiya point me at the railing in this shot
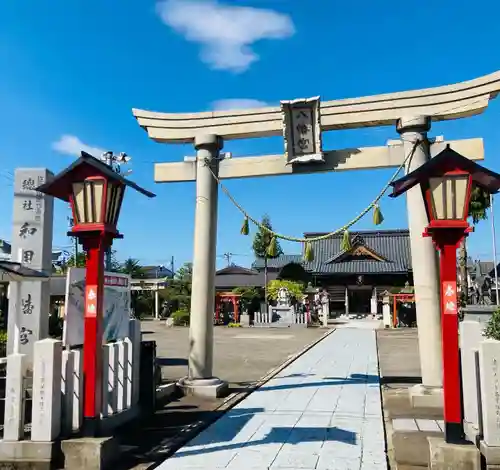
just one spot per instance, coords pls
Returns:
(272, 318)
(48, 404)
(480, 358)
(26, 401)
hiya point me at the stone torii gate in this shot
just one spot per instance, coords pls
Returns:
(301, 122)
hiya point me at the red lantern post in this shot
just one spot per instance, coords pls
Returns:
(447, 242)
(446, 182)
(95, 193)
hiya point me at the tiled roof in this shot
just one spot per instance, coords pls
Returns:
(234, 269)
(5, 247)
(487, 267)
(153, 272)
(278, 262)
(248, 279)
(58, 285)
(491, 273)
(392, 245)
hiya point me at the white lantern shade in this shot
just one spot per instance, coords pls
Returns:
(88, 201)
(449, 196)
(113, 203)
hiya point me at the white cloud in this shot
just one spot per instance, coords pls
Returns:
(72, 145)
(225, 32)
(238, 103)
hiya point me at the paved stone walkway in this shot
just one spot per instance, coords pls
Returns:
(321, 412)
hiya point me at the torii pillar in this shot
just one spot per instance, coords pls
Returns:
(429, 394)
(200, 380)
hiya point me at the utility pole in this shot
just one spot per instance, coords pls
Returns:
(227, 257)
(494, 239)
(172, 265)
(74, 241)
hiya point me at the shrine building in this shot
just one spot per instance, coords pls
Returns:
(377, 261)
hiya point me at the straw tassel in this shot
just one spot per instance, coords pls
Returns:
(245, 228)
(272, 249)
(378, 218)
(346, 241)
(308, 253)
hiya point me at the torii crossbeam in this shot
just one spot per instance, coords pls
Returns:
(364, 158)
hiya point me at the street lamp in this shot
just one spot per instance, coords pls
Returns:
(446, 182)
(95, 193)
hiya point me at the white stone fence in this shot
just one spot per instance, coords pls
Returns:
(266, 319)
(57, 388)
(481, 388)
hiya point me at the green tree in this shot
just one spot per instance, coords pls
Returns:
(294, 272)
(249, 298)
(78, 261)
(492, 330)
(261, 243)
(295, 289)
(115, 264)
(178, 290)
(478, 210)
(132, 267)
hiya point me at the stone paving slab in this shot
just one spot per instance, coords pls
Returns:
(399, 355)
(241, 355)
(424, 425)
(322, 412)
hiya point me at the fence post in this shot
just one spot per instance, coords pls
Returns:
(67, 389)
(109, 379)
(77, 413)
(489, 363)
(123, 376)
(135, 338)
(14, 397)
(46, 414)
(470, 337)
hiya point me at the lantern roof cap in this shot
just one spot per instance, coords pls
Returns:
(85, 167)
(448, 160)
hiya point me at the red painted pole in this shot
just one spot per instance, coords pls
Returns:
(92, 346)
(236, 312)
(217, 308)
(452, 387)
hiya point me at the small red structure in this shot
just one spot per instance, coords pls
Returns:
(402, 298)
(446, 182)
(220, 298)
(95, 193)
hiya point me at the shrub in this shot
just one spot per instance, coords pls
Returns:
(3, 337)
(234, 325)
(492, 330)
(181, 317)
(295, 289)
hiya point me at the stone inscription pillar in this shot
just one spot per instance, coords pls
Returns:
(200, 380)
(29, 301)
(424, 257)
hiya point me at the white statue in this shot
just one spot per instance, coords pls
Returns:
(283, 296)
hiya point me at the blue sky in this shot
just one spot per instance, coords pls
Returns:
(72, 71)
